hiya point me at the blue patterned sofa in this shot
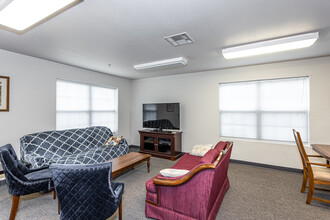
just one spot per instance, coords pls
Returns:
(74, 146)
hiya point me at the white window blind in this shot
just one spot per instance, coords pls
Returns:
(81, 105)
(265, 109)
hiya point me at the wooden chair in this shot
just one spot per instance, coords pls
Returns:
(315, 175)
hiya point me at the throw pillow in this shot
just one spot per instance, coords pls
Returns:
(200, 150)
(210, 156)
(113, 140)
(173, 172)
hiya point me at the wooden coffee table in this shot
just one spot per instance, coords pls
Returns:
(128, 161)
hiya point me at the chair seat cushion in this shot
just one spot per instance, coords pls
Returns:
(321, 173)
(40, 174)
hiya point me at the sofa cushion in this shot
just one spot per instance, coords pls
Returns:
(210, 156)
(187, 162)
(220, 146)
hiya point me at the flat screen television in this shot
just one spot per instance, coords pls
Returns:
(161, 116)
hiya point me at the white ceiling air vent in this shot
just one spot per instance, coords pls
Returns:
(179, 39)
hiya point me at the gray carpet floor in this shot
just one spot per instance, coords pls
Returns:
(254, 193)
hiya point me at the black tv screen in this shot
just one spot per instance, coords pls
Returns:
(161, 116)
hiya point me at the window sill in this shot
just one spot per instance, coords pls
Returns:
(262, 141)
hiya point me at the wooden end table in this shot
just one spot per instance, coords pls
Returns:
(128, 161)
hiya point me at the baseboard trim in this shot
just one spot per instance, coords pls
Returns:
(267, 166)
(134, 146)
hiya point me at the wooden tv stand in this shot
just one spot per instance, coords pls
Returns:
(161, 144)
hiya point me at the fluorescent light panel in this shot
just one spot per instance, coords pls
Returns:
(20, 15)
(162, 63)
(271, 46)
(4, 3)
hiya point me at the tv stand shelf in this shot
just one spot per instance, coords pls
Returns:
(163, 144)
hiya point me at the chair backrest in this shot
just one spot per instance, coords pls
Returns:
(84, 191)
(10, 163)
(301, 149)
(14, 170)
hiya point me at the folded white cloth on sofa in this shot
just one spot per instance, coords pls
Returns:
(173, 172)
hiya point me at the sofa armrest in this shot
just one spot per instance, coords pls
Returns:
(178, 181)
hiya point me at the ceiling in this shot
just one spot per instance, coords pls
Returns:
(94, 34)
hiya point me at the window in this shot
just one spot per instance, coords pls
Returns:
(81, 105)
(265, 109)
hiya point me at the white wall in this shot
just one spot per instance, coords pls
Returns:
(198, 97)
(33, 97)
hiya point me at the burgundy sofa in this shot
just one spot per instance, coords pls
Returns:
(196, 195)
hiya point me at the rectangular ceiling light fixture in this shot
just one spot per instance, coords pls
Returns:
(271, 46)
(4, 3)
(22, 15)
(180, 61)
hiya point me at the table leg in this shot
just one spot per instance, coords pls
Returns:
(148, 164)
